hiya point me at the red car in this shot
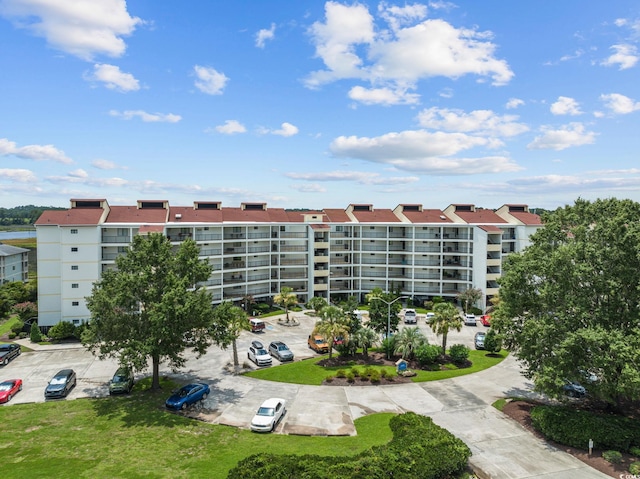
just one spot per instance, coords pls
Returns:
(485, 319)
(9, 388)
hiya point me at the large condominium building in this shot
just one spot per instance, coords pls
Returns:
(255, 250)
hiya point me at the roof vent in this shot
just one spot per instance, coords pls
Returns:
(178, 216)
(443, 217)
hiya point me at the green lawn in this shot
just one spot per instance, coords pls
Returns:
(6, 325)
(308, 372)
(134, 436)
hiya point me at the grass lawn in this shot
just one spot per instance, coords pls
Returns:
(134, 436)
(308, 372)
(5, 326)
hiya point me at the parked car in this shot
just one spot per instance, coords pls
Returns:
(257, 325)
(61, 384)
(470, 319)
(410, 316)
(318, 343)
(8, 351)
(269, 415)
(258, 354)
(478, 340)
(187, 396)
(9, 388)
(280, 351)
(574, 390)
(429, 316)
(485, 319)
(122, 381)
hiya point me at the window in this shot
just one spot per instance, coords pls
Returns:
(76, 322)
(75, 303)
(74, 267)
(74, 285)
(74, 231)
(74, 249)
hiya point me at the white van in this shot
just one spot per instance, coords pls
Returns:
(410, 316)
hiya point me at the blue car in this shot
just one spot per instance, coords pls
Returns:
(187, 396)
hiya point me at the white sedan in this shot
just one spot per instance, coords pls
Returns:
(269, 415)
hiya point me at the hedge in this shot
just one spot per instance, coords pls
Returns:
(574, 427)
(419, 448)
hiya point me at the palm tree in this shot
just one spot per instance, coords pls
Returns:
(469, 297)
(408, 340)
(446, 317)
(334, 323)
(317, 303)
(365, 338)
(286, 298)
(228, 322)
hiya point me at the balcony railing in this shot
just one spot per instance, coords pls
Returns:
(116, 239)
(208, 236)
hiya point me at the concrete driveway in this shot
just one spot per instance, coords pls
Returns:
(501, 448)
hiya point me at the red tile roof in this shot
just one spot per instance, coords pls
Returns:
(527, 218)
(490, 228)
(336, 215)
(480, 216)
(192, 215)
(132, 214)
(376, 216)
(427, 216)
(74, 216)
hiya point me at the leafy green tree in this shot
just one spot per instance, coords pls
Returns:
(150, 306)
(35, 335)
(317, 303)
(365, 338)
(379, 307)
(408, 340)
(333, 324)
(228, 322)
(492, 341)
(569, 303)
(26, 310)
(446, 318)
(469, 297)
(286, 298)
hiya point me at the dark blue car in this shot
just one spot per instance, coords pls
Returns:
(188, 395)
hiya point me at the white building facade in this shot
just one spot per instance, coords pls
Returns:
(14, 264)
(255, 250)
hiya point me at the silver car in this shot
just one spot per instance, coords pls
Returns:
(280, 351)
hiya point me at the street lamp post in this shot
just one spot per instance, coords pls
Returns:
(389, 303)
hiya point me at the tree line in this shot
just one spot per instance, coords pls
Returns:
(23, 215)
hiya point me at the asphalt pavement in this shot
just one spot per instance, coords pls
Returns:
(501, 448)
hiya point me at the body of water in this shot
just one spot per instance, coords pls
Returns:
(5, 235)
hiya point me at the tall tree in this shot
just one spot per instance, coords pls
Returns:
(150, 306)
(445, 319)
(333, 324)
(286, 298)
(383, 311)
(469, 297)
(569, 304)
(228, 322)
(317, 303)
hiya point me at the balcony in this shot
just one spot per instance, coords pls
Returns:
(293, 249)
(210, 251)
(234, 236)
(116, 239)
(208, 236)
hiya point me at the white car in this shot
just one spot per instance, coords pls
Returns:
(269, 415)
(258, 354)
(470, 319)
(410, 316)
(429, 316)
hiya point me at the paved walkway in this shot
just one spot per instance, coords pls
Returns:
(501, 448)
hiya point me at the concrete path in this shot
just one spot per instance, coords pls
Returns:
(501, 448)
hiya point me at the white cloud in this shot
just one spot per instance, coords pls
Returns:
(352, 48)
(620, 104)
(113, 78)
(83, 28)
(309, 188)
(383, 96)
(364, 178)
(33, 152)
(425, 152)
(514, 103)
(147, 117)
(573, 134)
(286, 129)
(79, 173)
(625, 56)
(210, 81)
(483, 122)
(263, 35)
(565, 106)
(106, 165)
(231, 127)
(19, 175)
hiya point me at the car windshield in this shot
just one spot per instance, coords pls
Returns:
(266, 411)
(5, 386)
(4, 347)
(59, 380)
(119, 379)
(262, 351)
(282, 347)
(319, 341)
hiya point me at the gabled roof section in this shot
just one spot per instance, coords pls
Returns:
(519, 214)
(71, 217)
(529, 219)
(427, 216)
(490, 228)
(375, 216)
(9, 250)
(336, 215)
(185, 214)
(480, 216)
(134, 214)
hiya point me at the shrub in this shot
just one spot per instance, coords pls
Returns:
(368, 371)
(382, 373)
(62, 330)
(341, 373)
(350, 377)
(427, 354)
(634, 468)
(459, 353)
(355, 372)
(22, 335)
(492, 342)
(17, 328)
(428, 305)
(574, 427)
(634, 451)
(364, 378)
(375, 376)
(35, 334)
(437, 300)
(12, 335)
(614, 457)
(329, 379)
(26, 310)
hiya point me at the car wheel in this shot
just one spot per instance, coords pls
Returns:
(9, 398)
(184, 406)
(204, 396)
(5, 362)
(20, 388)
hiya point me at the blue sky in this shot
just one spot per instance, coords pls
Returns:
(319, 104)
